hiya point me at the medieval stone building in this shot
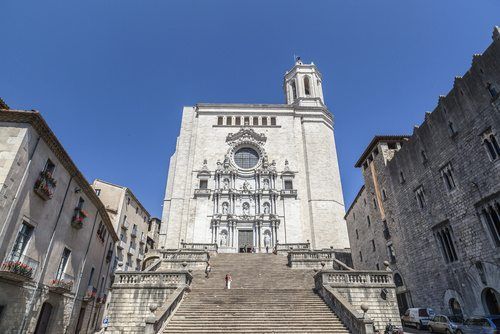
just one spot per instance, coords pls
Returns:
(249, 176)
(430, 204)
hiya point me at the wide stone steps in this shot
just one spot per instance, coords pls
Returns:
(266, 296)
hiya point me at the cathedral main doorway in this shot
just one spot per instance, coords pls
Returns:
(245, 241)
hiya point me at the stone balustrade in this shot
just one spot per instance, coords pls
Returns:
(284, 248)
(139, 279)
(315, 259)
(348, 291)
(211, 247)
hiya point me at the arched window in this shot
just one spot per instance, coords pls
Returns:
(398, 280)
(294, 89)
(307, 86)
(43, 318)
(455, 307)
(491, 301)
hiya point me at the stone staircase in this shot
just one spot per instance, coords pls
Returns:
(265, 297)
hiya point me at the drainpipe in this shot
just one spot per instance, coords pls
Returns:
(18, 191)
(80, 275)
(42, 264)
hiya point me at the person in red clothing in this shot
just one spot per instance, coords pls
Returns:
(228, 280)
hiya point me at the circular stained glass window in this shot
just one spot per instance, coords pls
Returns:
(246, 157)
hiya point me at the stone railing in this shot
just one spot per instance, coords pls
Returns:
(160, 316)
(347, 292)
(355, 278)
(201, 246)
(304, 259)
(355, 321)
(139, 279)
(284, 248)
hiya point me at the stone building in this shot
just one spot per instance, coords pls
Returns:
(153, 237)
(130, 220)
(430, 204)
(270, 173)
(56, 239)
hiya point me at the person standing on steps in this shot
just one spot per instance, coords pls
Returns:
(228, 280)
(208, 269)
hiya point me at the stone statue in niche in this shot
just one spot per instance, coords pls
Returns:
(287, 168)
(246, 209)
(265, 184)
(219, 165)
(267, 239)
(225, 208)
(273, 166)
(266, 208)
(246, 186)
(223, 238)
(225, 182)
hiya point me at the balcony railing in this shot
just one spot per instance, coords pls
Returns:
(122, 244)
(202, 192)
(62, 283)
(143, 239)
(79, 218)
(288, 193)
(131, 250)
(45, 185)
(125, 225)
(133, 234)
(90, 293)
(18, 267)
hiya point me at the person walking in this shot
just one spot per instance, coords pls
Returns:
(228, 280)
(208, 269)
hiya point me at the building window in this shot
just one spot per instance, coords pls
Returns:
(374, 203)
(373, 245)
(91, 276)
(294, 89)
(451, 128)
(98, 192)
(423, 155)
(307, 86)
(490, 213)
(203, 184)
(255, 121)
(401, 177)
(264, 120)
(384, 195)
(447, 175)
(273, 120)
(246, 158)
(63, 263)
(368, 220)
(288, 185)
(491, 144)
(246, 121)
(391, 253)
(445, 241)
(229, 120)
(492, 90)
(22, 240)
(357, 234)
(101, 231)
(420, 195)
(238, 120)
(360, 257)
(128, 200)
(378, 267)
(220, 120)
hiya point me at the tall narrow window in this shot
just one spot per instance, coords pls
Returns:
(229, 120)
(491, 144)
(391, 253)
(423, 156)
(368, 220)
(307, 86)
(294, 90)
(264, 120)
(360, 256)
(273, 120)
(237, 120)
(63, 263)
(420, 195)
(492, 90)
(220, 120)
(246, 121)
(81, 202)
(445, 241)
(203, 184)
(255, 121)
(491, 215)
(21, 243)
(373, 245)
(91, 276)
(448, 179)
(401, 177)
(357, 234)
(451, 129)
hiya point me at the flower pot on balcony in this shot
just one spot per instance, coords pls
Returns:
(61, 285)
(16, 270)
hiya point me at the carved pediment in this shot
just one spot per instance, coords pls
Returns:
(246, 133)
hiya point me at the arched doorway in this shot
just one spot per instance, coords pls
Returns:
(491, 301)
(400, 293)
(455, 307)
(43, 319)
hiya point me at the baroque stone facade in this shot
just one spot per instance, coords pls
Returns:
(248, 176)
(56, 239)
(430, 204)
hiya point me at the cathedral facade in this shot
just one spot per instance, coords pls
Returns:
(249, 176)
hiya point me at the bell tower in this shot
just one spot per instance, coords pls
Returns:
(302, 85)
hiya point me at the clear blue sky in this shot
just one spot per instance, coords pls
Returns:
(110, 77)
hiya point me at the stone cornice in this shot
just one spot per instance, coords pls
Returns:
(34, 119)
